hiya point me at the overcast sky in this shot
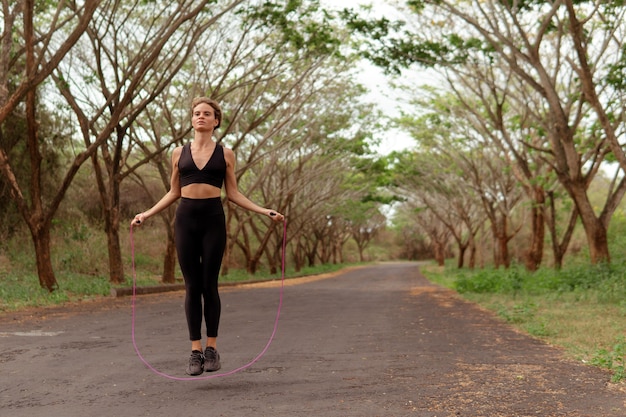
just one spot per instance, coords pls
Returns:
(378, 83)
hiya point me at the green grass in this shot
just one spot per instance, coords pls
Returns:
(581, 308)
(19, 291)
(81, 267)
(23, 291)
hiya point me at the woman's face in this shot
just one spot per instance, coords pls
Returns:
(203, 118)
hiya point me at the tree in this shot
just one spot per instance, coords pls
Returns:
(30, 56)
(430, 180)
(455, 166)
(365, 221)
(438, 233)
(546, 47)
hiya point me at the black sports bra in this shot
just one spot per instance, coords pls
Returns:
(212, 173)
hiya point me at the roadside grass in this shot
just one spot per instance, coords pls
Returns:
(23, 291)
(20, 291)
(581, 308)
(80, 263)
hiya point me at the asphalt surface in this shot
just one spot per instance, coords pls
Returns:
(374, 341)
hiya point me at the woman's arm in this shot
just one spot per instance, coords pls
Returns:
(169, 198)
(234, 195)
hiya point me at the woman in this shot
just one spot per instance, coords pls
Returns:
(199, 170)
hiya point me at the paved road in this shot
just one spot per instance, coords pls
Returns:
(375, 341)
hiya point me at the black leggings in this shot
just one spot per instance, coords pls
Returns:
(200, 244)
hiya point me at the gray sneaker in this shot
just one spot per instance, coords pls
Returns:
(196, 363)
(211, 360)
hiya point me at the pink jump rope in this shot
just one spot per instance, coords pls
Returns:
(234, 371)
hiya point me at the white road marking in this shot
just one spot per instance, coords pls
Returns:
(35, 333)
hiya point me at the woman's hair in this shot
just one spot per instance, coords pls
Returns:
(216, 107)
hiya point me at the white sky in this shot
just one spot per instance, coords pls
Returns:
(377, 82)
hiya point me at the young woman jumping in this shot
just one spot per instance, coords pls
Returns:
(199, 170)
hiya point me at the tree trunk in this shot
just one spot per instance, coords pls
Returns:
(534, 256)
(472, 259)
(338, 257)
(361, 257)
(438, 252)
(41, 240)
(497, 258)
(504, 251)
(275, 257)
(116, 266)
(559, 247)
(461, 260)
(558, 258)
(37, 222)
(595, 230)
(298, 256)
(169, 262)
(501, 239)
(596, 239)
(325, 250)
(311, 253)
(253, 265)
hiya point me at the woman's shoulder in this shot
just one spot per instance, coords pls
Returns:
(177, 152)
(227, 151)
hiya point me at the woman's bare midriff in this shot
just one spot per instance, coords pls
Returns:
(200, 191)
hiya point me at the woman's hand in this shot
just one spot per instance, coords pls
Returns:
(138, 220)
(276, 216)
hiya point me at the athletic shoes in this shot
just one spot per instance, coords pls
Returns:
(196, 363)
(211, 360)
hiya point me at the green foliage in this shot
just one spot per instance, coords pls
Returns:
(377, 30)
(388, 45)
(617, 72)
(491, 280)
(613, 359)
(416, 5)
(538, 329)
(53, 132)
(525, 314)
(521, 5)
(302, 25)
(13, 142)
(21, 291)
(608, 281)
(479, 282)
(520, 313)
